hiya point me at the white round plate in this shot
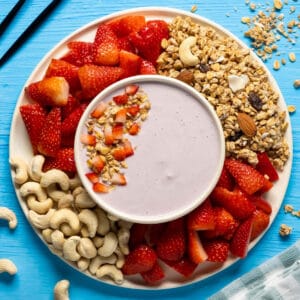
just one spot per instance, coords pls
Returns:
(20, 145)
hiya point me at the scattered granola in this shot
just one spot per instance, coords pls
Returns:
(276, 65)
(285, 230)
(292, 56)
(221, 58)
(297, 83)
(288, 208)
(194, 8)
(291, 108)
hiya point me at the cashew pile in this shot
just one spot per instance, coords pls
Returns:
(70, 222)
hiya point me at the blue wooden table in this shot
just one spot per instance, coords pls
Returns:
(38, 269)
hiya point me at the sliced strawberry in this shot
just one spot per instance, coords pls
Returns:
(131, 89)
(184, 266)
(92, 177)
(196, 251)
(137, 235)
(130, 63)
(94, 79)
(88, 139)
(119, 153)
(80, 53)
(217, 250)
(261, 221)
(64, 161)
(118, 179)
(240, 241)
(121, 99)
(121, 116)
(249, 179)
(99, 187)
(108, 136)
(64, 69)
(117, 131)
(134, 129)
(52, 91)
(148, 39)
(266, 187)
(235, 202)
(106, 46)
(154, 232)
(50, 136)
(97, 164)
(127, 148)
(226, 180)
(139, 260)
(265, 166)
(171, 245)
(225, 224)
(147, 67)
(155, 275)
(69, 107)
(261, 204)
(34, 117)
(130, 23)
(70, 123)
(125, 44)
(202, 218)
(99, 110)
(133, 110)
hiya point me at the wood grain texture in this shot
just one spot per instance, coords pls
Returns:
(38, 269)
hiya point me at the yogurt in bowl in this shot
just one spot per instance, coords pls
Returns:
(178, 155)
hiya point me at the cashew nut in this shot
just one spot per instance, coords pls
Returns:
(82, 199)
(21, 173)
(125, 224)
(55, 251)
(74, 182)
(66, 201)
(40, 221)
(120, 258)
(61, 290)
(57, 239)
(70, 248)
(109, 246)
(36, 167)
(98, 261)
(112, 218)
(103, 222)
(65, 215)
(9, 215)
(112, 272)
(185, 53)
(90, 220)
(86, 248)
(46, 233)
(39, 207)
(55, 177)
(98, 241)
(33, 188)
(83, 264)
(6, 265)
(123, 238)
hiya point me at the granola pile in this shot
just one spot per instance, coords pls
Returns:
(222, 59)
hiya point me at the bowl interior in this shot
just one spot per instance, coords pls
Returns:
(178, 153)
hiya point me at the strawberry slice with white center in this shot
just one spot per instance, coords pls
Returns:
(97, 164)
(117, 131)
(92, 177)
(99, 110)
(127, 147)
(131, 89)
(88, 139)
(196, 251)
(99, 187)
(118, 179)
(108, 135)
(121, 116)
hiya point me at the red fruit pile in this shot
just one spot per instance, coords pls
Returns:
(234, 214)
(121, 48)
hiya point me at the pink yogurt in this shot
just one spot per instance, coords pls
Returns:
(179, 153)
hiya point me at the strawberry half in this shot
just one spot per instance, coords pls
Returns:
(80, 53)
(202, 218)
(235, 202)
(171, 245)
(94, 79)
(64, 160)
(265, 166)
(72, 104)
(52, 91)
(147, 67)
(261, 221)
(249, 179)
(139, 260)
(106, 46)
(127, 24)
(137, 235)
(130, 63)
(34, 117)
(240, 241)
(261, 204)
(184, 266)
(64, 69)
(155, 275)
(226, 180)
(196, 251)
(50, 136)
(216, 250)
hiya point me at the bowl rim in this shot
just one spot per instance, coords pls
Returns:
(140, 79)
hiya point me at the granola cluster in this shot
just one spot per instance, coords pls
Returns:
(221, 58)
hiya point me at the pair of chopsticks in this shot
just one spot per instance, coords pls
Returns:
(29, 30)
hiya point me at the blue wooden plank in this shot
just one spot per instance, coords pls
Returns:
(39, 270)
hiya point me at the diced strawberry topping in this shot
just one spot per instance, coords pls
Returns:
(99, 187)
(52, 91)
(131, 89)
(117, 131)
(133, 110)
(127, 148)
(118, 179)
(92, 177)
(88, 139)
(134, 129)
(108, 135)
(119, 153)
(121, 99)
(99, 110)
(121, 116)
(140, 260)
(196, 251)
(97, 164)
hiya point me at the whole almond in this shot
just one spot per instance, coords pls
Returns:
(247, 124)
(186, 76)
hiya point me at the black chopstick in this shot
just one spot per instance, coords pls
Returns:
(26, 33)
(4, 24)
